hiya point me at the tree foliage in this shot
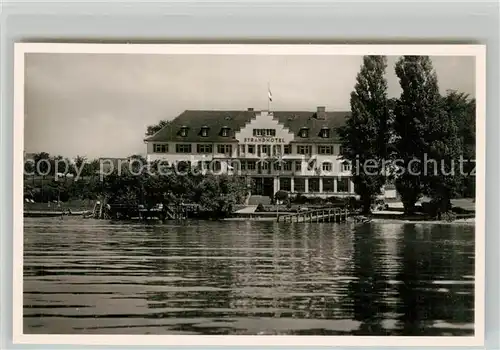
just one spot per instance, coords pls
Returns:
(219, 194)
(153, 129)
(422, 132)
(147, 184)
(428, 140)
(281, 196)
(366, 134)
(463, 110)
(418, 105)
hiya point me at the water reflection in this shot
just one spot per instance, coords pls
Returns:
(370, 289)
(248, 278)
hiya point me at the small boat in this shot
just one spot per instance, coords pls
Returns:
(79, 213)
(54, 213)
(39, 213)
(360, 219)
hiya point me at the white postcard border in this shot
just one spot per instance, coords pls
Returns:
(479, 51)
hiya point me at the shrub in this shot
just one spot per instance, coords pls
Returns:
(281, 196)
(449, 216)
(300, 199)
(335, 200)
(260, 208)
(316, 200)
(352, 203)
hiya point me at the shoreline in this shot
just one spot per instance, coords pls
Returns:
(378, 218)
(468, 221)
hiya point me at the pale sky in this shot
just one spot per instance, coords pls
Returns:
(99, 105)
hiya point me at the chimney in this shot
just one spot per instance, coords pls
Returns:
(320, 113)
(250, 109)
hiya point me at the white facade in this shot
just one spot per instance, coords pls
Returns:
(271, 155)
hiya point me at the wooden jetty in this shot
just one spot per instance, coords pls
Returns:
(317, 215)
(104, 210)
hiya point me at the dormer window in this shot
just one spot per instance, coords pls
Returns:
(183, 132)
(304, 132)
(224, 131)
(204, 131)
(325, 132)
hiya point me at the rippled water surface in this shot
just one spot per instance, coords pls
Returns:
(85, 276)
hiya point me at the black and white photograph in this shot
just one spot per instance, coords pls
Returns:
(320, 193)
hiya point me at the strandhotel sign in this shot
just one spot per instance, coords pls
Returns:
(263, 122)
(273, 140)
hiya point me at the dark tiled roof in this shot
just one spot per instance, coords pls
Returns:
(295, 121)
(235, 120)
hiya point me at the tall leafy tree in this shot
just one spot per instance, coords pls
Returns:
(419, 103)
(42, 162)
(428, 141)
(366, 134)
(81, 164)
(42, 167)
(442, 179)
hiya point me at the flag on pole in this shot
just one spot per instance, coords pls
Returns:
(269, 94)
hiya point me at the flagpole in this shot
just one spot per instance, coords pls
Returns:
(268, 99)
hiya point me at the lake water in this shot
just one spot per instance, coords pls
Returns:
(88, 277)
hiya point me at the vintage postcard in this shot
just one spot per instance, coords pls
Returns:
(305, 195)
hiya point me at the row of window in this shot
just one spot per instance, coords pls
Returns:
(264, 132)
(251, 165)
(187, 148)
(203, 132)
(250, 149)
(299, 184)
(288, 166)
(304, 132)
(324, 133)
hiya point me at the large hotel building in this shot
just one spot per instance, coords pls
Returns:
(297, 152)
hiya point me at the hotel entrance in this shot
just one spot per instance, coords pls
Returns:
(263, 186)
